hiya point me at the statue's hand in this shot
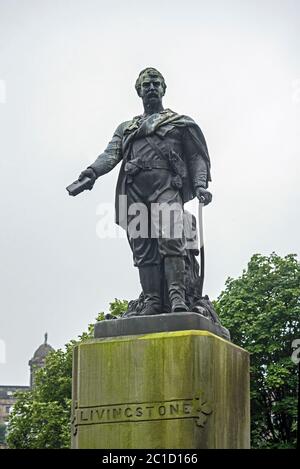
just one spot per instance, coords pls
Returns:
(203, 195)
(89, 173)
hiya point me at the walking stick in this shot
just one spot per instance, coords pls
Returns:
(201, 242)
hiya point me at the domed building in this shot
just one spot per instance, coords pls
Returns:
(7, 393)
(39, 358)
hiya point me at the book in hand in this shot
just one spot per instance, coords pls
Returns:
(79, 186)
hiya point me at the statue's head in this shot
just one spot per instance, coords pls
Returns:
(150, 84)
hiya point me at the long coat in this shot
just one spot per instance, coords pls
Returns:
(119, 149)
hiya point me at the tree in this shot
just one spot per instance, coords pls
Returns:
(261, 309)
(2, 433)
(41, 417)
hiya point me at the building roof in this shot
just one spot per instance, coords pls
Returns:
(7, 392)
(42, 351)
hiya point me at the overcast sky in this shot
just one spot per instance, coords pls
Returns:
(67, 74)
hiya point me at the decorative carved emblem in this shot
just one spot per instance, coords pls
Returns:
(203, 408)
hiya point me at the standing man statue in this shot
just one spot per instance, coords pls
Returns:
(164, 163)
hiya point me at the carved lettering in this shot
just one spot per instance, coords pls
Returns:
(174, 409)
(99, 414)
(196, 408)
(187, 408)
(82, 417)
(117, 413)
(128, 412)
(150, 410)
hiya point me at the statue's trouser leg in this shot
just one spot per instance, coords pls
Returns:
(150, 278)
(174, 275)
(172, 246)
(165, 239)
(145, 255)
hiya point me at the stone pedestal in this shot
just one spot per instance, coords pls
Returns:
(180, 389)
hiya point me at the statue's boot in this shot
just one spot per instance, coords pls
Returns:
(150, 278)
(174, 274)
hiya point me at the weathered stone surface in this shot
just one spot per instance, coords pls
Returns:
(158, 323)
(183, 389)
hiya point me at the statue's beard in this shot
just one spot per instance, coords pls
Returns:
(152, 99)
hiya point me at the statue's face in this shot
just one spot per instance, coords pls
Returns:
(151, 88)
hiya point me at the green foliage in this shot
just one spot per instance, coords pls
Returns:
(39, 424)
(41, 417)
(261, 309)
(117, 307)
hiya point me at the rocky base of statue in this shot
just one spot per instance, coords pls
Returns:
(202, 316)
(202, 306)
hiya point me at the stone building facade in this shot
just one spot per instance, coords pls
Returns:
(7, 400)
(7, 393)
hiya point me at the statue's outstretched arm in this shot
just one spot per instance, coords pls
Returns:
(111, 156)
(103, 164)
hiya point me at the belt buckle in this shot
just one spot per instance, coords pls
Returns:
(146, 165)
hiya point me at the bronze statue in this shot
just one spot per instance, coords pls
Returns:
(164, 161)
